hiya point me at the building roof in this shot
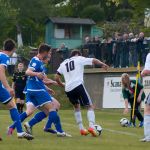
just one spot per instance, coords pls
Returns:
(67, 20)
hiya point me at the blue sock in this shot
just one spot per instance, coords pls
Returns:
(54, 118)
(15, 117)
(22, 116)
(37, 118)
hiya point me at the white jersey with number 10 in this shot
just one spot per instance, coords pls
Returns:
(73, 69)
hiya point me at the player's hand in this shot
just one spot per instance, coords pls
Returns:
(11, 91)
(50, 82)
(126, 110)
(105, 66)
(50, 91)
(63, 84)
(40, 75)
(45, 77)
(143, 74)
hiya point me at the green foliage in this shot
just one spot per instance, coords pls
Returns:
(120, 26)
(29, 15)
(7, 19)
(94, 12)
(123, 14)
(24, 52)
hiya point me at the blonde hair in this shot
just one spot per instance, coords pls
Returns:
(125, 80)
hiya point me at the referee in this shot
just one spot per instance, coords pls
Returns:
(19, 83)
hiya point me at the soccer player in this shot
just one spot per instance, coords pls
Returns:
(128, 88)
(6, 92)
(38, 95)
(146, 72)
(72, 69)
(19, 83)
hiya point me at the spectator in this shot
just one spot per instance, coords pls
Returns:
(120, 51)
(64, 52)
(125, 51)
(146, 49)
(140, 48)
(117, 48)
(107, 47)
(14, 59)
(89, 47)
(85, 47)
(103, 49)
(13, 62)
(97, 43)
(132, 50)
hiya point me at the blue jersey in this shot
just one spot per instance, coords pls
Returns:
(33, 83)
(4, 60)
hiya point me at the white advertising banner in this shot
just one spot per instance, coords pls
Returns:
(112, 93)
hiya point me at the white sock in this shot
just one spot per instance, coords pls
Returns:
(78, 118)
(147, 126)
(91, 118)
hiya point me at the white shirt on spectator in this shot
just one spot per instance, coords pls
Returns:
(13, 59)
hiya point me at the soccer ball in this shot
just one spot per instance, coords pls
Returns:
(98, 129)
(124, 122)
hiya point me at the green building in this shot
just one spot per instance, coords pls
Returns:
(70, 31)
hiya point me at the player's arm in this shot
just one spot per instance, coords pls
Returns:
(49, 82)
(146, 70)
(31, 73)
(3, 80)
(140, 95)
(126, 106)
(58, 80)
(141, 89)
(145, 73)
(50, 91)
(98, 62)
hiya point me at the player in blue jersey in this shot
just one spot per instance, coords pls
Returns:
(39, 87)
(6, 92)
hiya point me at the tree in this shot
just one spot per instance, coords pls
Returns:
(124, 14)
(94, 12)
(8, 17)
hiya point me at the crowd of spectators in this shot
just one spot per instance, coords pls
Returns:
(122, 50)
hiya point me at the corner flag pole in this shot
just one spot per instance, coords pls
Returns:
(137, 78)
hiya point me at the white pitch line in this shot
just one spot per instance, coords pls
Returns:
(121, 132)
(109, 130)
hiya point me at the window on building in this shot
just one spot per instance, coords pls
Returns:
(67, 31)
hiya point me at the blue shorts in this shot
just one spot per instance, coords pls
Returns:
(38, 98)
(5, 96)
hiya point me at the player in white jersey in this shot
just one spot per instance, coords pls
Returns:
(73, 69)
(146, 72)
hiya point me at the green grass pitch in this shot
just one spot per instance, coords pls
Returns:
(114, 137)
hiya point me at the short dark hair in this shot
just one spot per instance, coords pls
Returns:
(75, 52)
(9, 45)
(44, 48)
